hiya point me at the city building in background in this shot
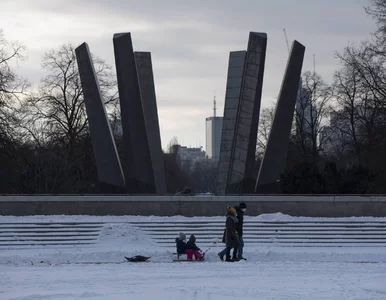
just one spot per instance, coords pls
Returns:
(306, 114)
(189, 156)
(213, 129)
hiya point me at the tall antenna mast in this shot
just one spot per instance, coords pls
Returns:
(314, 63)
(214, 106)
(286, 40)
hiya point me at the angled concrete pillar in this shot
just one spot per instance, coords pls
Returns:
(241, 117)
(149, 107)
(139, 171)
(110, 175)
(242, 169)
(232, 99)
(275, 156)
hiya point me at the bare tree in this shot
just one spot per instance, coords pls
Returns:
(59, 104)
(55, 121)
(377, 10)
(12, 87)
(12, 90)
(361, 93)
(173, 146)
(312, 109)
(264, 128)
(349, 97)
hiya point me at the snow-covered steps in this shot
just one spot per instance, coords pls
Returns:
(14, 235)
(89, 231)
(294, 233)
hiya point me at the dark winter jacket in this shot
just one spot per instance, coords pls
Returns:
(240, 217)
(192, 245)
(181, 246)
(230, 235)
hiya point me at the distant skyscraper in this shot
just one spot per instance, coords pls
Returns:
(213, 134)
(306, 114)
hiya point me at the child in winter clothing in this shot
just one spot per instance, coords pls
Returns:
(191, 244)
(182, 247)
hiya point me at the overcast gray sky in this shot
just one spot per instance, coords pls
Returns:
(190, 43)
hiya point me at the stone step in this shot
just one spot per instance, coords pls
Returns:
(273, 230)
(340, 237)
(287, 244)
(54, 226)
(45, 239)
(171, 226)
(18, 244)
(270, 233)
(53, 223)
(74, 231)
(292, 241)
(246, 222)
(32, 234)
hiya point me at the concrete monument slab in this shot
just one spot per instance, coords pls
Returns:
(110, 174)
(275, 156)
(139, 170)
(149, 107)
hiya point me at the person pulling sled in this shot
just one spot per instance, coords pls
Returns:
(230, 237)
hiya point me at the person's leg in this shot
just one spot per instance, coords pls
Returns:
(228, 254)
(222, 253)
(189, 253)
(197, 255)
(240, 254)
(234, 256)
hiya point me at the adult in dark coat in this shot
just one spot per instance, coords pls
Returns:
(230, 234)
(240, 209)
(180, 243)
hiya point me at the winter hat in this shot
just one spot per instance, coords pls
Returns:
(182, 236)
(242, 205)
(192, 238)
(231, 210)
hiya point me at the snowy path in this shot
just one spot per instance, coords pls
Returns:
(271, 272)
(200, 281)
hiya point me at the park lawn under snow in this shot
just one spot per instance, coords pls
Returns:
(101, 272)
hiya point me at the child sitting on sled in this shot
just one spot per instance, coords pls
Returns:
(191, 245)
(181, 244)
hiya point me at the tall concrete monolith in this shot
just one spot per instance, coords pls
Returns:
(149, 107)
(110, 174)
(275, 156)
(232, 99)
(241, 117)
(139, 171)
(242, 169)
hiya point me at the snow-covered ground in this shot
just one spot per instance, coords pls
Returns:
(100, 271)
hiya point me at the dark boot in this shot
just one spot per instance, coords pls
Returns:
(228, 255)
(234, 257)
